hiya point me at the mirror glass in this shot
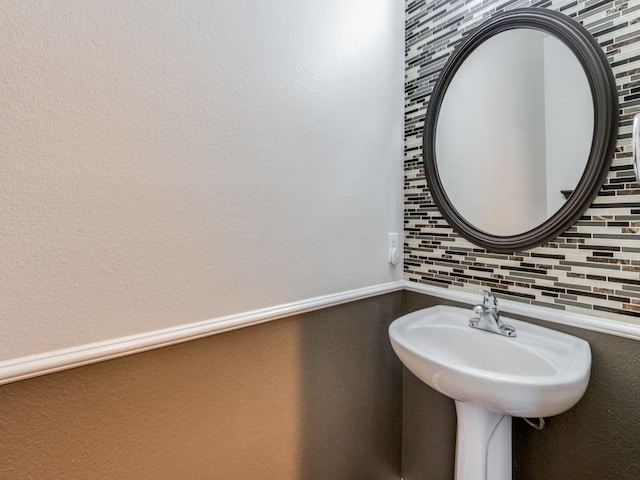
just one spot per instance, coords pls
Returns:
(514, 131)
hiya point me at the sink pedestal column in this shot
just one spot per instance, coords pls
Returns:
(483, 444)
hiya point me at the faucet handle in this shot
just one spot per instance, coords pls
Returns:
(489, 300)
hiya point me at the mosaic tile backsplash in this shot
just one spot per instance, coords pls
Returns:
(592, 268)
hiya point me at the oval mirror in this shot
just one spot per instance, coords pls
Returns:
(520, 129)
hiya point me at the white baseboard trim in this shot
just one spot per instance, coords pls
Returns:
(587, 322)
(54, 361)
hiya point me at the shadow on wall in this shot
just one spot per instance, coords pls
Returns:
(316, 396)
(352, 387)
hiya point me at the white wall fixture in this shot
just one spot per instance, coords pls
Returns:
(537, 373)
(395, 251)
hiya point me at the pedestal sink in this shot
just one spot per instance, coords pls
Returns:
(538, 373)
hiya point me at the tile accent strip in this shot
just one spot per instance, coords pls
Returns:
(594, 267)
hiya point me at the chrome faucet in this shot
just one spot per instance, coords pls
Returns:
(489, 317)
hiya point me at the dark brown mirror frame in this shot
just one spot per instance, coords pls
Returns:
(605, 125)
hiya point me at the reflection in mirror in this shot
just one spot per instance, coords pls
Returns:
(514, 131)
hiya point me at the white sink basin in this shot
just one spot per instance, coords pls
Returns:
(538, 373)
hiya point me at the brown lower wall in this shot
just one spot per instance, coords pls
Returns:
(598, 439)
(317, 396)
(313, 397)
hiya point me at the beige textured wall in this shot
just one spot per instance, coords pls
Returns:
(311, 397)
(161, 159)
